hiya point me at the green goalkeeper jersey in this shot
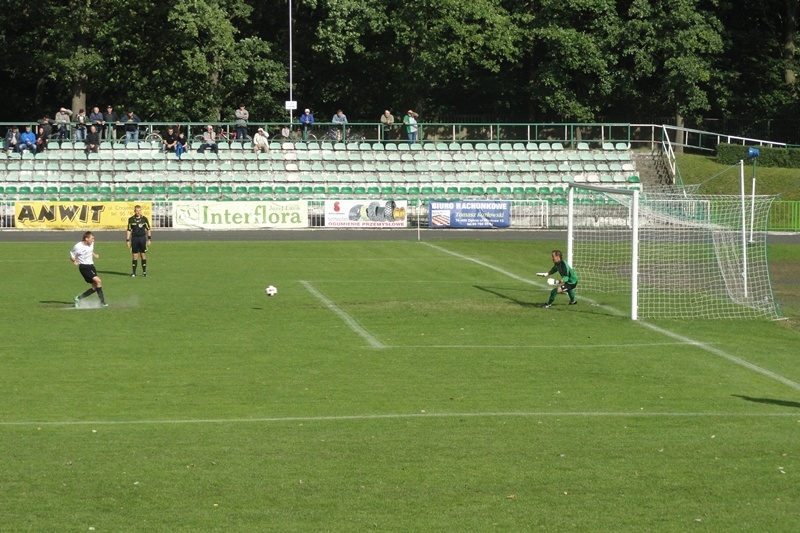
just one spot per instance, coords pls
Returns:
(565, 271)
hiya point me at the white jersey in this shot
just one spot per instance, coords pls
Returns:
(84, 253)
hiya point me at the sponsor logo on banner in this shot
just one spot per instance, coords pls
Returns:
(470, 214)
(76, 215)
(239, 215)
(365, 213)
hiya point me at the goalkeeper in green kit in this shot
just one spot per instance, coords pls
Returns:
(569, 279)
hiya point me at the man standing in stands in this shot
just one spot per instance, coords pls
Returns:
(242, 117)
(132, 121)
(138, 238)
(82, 255)
(110, 118)
(306, 120)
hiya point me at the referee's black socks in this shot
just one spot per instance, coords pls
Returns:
(133, 265)
(144, 266)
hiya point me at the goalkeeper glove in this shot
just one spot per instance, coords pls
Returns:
(543, 274)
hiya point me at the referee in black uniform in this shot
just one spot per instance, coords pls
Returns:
(138, 239)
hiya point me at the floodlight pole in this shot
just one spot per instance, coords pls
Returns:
(291, 83)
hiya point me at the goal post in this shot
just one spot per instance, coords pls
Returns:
(676, 255)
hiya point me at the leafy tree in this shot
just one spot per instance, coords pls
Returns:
(674, 46)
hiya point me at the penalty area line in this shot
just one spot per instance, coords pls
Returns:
(399, 416)
(350, 321)
(702, 345)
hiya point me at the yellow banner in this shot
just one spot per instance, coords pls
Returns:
(76, 215)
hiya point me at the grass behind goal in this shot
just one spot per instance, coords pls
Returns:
(389, 386)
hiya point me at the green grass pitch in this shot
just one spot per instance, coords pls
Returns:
(389, 386)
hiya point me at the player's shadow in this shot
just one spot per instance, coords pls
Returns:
(783, 403)
(496, 292)
(56, 302)
(114, 273)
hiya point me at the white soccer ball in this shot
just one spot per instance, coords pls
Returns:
(551, 281)
(271, 291)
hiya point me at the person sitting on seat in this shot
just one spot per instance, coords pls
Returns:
(261, 141)
(27, 141)
(209, 141)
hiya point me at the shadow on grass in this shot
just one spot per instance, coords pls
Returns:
(784, 403)
(496, 292)
(113, 273)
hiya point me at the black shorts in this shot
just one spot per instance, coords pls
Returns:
(138, 245)
(569, 286)
(88, 272)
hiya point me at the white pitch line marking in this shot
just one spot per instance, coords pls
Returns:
(350, 321)
(396, 416)
(703, 346)
(542, 346)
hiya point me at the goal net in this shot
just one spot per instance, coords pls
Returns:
(677, 255)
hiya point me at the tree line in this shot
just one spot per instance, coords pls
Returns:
(450, 60)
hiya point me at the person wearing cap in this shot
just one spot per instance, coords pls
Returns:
(63, 118)
(261, 141)
(169, 141)
(307, 120)
(47, 125)
(209, 141)
(110, 118)
(242, 116)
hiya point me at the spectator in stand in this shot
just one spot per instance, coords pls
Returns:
(63, 118)
(11, 141)
(261, 141)
(182, 145)
(339, 118)
(110, 118)
(209, 141)
(27, 141)
(92, 140)
(242, 116)
(96, 118)
(169, 142)
(410, 120)
(47, 125)
(387, 119)
(340, 123)
(41, 139)
(81, 119)
(306, 120)
(132, 128)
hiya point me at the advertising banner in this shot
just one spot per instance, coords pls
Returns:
(470, 214)
(365, 213)
(239, 215)
(76, 215)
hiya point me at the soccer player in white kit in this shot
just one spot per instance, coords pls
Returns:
(82, 254)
